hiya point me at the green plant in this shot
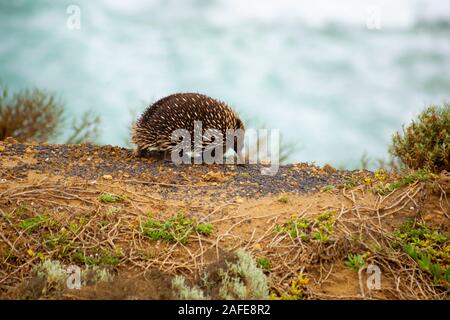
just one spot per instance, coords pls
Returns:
(33, 223)
(355, 261)
(296, 290)
(429, 248)
(80, 257)
(283, 199)
(205, 228)
(264, 263)
(241, 278)
(406, 180)
(328, 188)
(52, 271)
(295, 227)
(320, 236)
(425, 143)
(176, 229)
(54, 240)
(184, 291)
(302, 228)
(352, 181)
(110, 198)
(245, 175)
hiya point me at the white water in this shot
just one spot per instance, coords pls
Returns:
(315, 71)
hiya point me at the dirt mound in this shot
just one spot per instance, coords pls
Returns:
(314, 231)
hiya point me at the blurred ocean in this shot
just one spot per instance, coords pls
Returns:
(320, 71)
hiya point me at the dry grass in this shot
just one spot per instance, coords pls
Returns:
(111, 234)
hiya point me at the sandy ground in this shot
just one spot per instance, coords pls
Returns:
(65, 182)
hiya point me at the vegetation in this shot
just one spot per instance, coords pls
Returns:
(240, 279)
(425, 143)
(53, 275)
(296, 290)
(36, 115)
(429, 248)
(408, 179)
(328, 188)
(283, 199)
(110, 198)
(264, 263)
(305, 229)
(355, 261)
(176, 229)
(382, 183)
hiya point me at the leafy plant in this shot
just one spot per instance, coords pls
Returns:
(205, 228)
(355, 261)
(408, 179)
(296, 290)
(33, 223)
(264, 263)
(429, 248)
(283, 199)
(110, 198)
(425, 143)
(241, 278)
(328, 188)
(175, 229)
(302, 228)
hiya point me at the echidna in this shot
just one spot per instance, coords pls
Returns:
(153, 130)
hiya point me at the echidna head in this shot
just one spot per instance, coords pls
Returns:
(239, 124)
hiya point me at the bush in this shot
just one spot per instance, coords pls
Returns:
(425, 143)
(35, 115)
(29, 115)
(239, 278)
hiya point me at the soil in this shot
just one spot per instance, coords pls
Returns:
(244, 206)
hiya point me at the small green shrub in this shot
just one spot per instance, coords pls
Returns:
(205, 228)
(32, 224)
(320, 229)
(264, 263)
(419, 175)
(241, 279)
(296, 290)
(176, 229)
(184, 291)
(283, 199)
(110, 198)
(425, 143)
(355, 261)
(328, 188)
(429, 248)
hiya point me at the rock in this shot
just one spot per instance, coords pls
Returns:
(239, 200)
(214, 176)
(107, 177)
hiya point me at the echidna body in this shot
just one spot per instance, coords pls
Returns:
(153, 130)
